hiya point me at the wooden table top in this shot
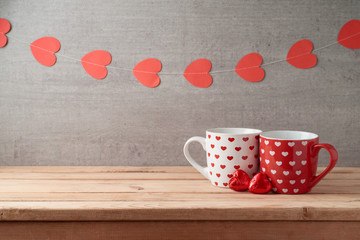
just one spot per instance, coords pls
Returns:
(164, 194)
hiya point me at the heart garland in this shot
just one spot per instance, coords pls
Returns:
(300, 55)
(44, 50)
(95, 63)
(198, 73)
(249, 68)
(349, 35)
(5, 27)
(146, 72)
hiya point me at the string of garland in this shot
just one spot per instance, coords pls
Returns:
(198, 73)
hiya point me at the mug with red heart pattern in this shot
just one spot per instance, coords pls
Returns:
(290, 158)
(227, 150)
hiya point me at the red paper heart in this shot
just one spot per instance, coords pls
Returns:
(300, 55)
(237, 167)
(197, 73)
(230, 158)
(218, 138)
(349, 35)
(259, 184)
(146, 72)
(249, 68)
(95, 63)
(231, 139)
(43, 50)
(240, 181)
(238, 148)
(5, 27)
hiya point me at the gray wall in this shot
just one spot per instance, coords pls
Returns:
(62, 116)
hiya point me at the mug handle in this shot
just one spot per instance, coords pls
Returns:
(333, 159)
(203, 170)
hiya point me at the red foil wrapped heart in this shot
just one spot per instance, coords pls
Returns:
(240, 181)
(260, 184)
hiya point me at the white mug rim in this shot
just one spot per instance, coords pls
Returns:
(288, 135)
(234, 131)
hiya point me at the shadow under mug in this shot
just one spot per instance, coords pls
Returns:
(290, 159)
(227, 150)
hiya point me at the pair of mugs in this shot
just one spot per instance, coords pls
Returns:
(288, 158)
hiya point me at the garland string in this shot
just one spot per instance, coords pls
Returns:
(176, 73)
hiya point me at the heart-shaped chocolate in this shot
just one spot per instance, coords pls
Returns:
(260, 184)
(240, 181)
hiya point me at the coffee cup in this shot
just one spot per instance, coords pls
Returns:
(290, 159)
(227, 150)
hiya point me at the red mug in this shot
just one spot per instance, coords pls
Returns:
(290, 159)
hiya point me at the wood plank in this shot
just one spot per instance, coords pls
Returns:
(199, 230)
(198, 197)
(325, 186)
(178, 210)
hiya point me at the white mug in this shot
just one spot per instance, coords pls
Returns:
(227, 150)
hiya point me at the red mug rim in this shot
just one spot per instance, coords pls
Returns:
(288, 135)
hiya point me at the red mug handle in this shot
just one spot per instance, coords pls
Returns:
(333, 160)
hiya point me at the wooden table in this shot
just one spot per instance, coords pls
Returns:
(106, 203)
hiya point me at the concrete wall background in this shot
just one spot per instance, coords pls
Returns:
(62, 116)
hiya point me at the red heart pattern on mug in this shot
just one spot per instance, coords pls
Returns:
(5, 27)
(95, 63)
(349, 35)
(226, 154)
(146, 72)
(197, 73)
(44, 49)
(248, 68)
(300, 55)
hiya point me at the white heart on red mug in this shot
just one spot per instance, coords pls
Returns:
(291, 144)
